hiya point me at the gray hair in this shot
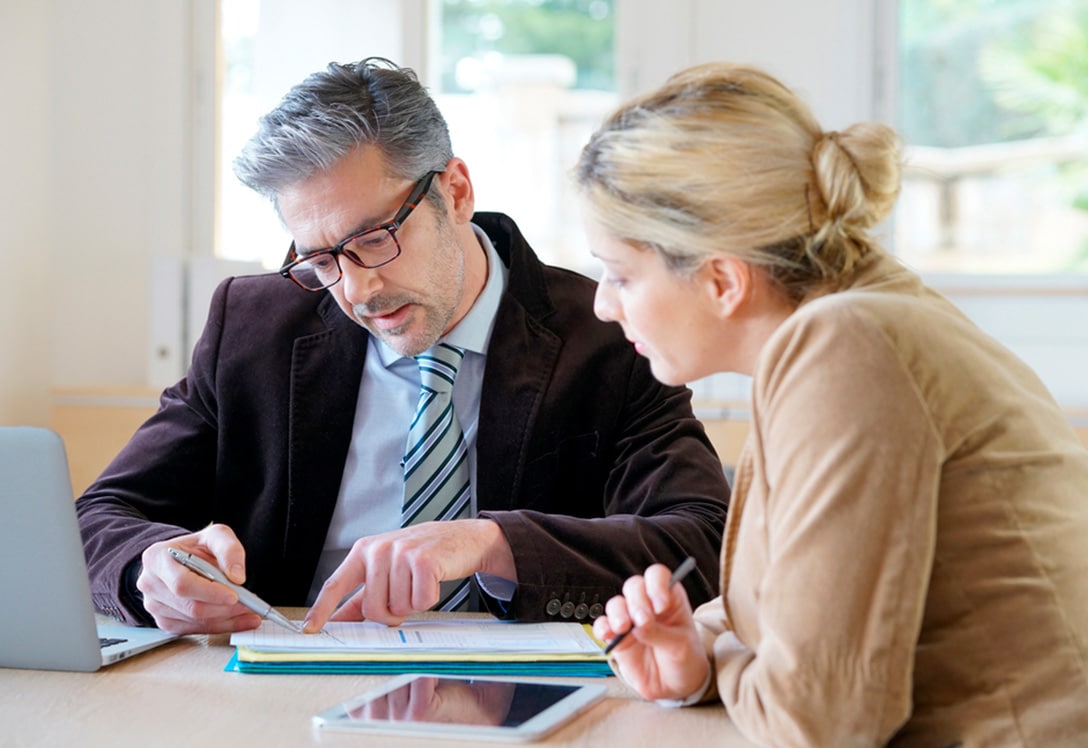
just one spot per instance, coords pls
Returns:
(335, 111)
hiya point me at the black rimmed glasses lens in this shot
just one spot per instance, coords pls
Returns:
(369, 248)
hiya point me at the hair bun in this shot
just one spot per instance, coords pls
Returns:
(856, 174)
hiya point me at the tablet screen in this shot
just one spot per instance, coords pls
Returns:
(459, 706)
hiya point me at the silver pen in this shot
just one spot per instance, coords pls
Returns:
(245, 597)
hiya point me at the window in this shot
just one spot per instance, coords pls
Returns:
(522, 83)
(268, 46)
(993, 102)
(248, 228)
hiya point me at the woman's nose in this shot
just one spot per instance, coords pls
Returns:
(604, 305)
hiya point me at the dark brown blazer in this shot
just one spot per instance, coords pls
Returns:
(592, 468)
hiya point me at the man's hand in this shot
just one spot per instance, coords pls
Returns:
(184, 602)
(401, 570)
(663, 657)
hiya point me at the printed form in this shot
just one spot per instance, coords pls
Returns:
(446, 635)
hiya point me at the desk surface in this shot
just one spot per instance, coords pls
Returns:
(179, 694)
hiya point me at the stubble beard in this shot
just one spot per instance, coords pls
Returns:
(448, 271)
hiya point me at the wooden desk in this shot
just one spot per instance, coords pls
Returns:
(179, 695)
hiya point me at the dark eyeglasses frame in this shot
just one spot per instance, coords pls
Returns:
(415, 197)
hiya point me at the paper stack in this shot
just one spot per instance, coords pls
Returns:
(468, 646)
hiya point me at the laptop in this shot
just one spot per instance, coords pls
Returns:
(49, 619)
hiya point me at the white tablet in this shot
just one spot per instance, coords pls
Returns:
(462, 707)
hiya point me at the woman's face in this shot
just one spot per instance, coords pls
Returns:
(669, 319)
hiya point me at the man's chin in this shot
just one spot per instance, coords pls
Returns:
(400, 340)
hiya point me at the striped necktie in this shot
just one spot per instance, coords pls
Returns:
(436, 480)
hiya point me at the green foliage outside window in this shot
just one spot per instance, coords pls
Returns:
(995, 71)
(582, 30)
(1007, 69)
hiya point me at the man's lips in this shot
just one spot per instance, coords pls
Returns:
(389, 320)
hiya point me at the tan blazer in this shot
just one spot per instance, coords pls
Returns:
(906, 557)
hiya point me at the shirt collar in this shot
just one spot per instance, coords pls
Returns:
(473, 332)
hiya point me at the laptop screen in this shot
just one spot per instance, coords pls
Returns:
(49, 617)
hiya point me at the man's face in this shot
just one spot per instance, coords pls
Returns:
(410, 302)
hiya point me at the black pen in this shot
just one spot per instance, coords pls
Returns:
(682, 571)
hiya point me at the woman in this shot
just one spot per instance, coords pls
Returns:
(906, 555)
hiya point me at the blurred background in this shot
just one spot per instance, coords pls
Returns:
(120, 212)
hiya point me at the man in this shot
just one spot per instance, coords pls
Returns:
(286, 453)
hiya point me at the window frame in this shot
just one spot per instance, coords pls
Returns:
(958, 284)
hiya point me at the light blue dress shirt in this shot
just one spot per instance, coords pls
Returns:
(372, 487)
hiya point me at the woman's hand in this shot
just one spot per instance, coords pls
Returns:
(663, 656)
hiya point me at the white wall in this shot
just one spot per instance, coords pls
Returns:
(824, 50)
(105, 100)
(95, 126)
(25, 218)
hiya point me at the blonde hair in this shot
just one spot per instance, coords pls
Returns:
(725, 159)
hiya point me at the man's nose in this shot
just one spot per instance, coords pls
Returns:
(360, 284)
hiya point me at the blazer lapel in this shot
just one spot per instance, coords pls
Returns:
(326, 369)
(522, 356)
(520, 363)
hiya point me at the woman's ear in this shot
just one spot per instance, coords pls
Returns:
(457, 186)
(728, 281)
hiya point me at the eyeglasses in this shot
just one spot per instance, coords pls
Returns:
(369, 248)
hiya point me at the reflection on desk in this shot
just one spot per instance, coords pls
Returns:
(181, 692)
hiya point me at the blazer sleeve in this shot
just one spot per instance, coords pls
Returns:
(848, 485)
(656, 494)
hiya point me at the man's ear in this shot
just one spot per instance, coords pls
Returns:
(728, 281)
(457, 187)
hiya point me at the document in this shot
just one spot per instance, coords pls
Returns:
(449, 636)
(461, 645)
